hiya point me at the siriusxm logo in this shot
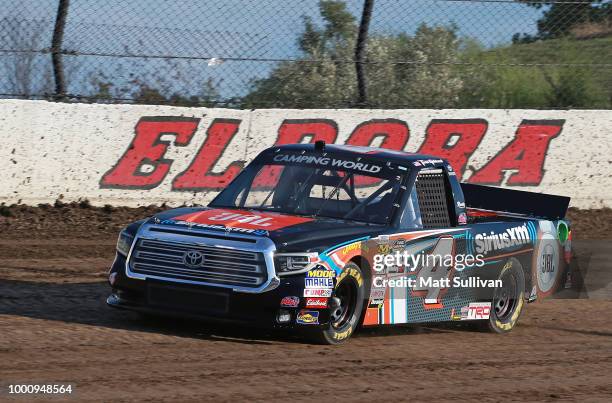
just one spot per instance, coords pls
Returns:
(515, 236)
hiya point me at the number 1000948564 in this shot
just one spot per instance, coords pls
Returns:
(40, 389)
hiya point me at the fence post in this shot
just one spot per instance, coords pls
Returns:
(56, 49)
(360, 49)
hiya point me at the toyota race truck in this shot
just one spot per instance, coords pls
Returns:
(323, 239)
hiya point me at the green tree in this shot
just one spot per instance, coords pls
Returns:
(140, 92)
(559, 18)
(502, 77)
(570, 88)
(402, 70)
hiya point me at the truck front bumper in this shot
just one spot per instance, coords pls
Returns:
(213, 304)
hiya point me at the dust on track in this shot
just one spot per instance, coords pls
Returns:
(55, 327)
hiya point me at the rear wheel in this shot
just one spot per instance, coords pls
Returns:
(346, 307)
(508, 300)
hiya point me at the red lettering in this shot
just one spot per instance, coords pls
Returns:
(455, 140)
(395, 134)
(293, 131)
(147, 150)
(525, 154)
(199, 174)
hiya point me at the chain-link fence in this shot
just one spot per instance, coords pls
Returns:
(308, 53)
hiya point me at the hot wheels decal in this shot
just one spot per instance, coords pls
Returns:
(290, 302)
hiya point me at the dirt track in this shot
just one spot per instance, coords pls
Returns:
(54, 327)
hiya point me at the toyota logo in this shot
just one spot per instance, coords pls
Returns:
(193, 258)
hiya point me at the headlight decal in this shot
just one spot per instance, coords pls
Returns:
(124, 243)
(293, 263)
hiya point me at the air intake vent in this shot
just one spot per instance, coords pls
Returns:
(200, 234)
(431, 193)
(198, 263)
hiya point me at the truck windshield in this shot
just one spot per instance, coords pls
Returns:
(314, 191)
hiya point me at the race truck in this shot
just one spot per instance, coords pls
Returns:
(322, 239)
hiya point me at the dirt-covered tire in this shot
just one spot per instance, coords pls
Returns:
(346, 306)
(509, 299)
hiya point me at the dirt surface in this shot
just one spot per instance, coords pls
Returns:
(55, 327)
(81, 220)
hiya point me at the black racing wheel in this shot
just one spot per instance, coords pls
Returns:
(346, 306)
(508, 300)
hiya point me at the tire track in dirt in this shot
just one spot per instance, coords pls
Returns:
(54, 326)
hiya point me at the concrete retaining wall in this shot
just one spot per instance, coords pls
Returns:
(137, 154)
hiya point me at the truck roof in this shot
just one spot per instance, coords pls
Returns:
(362, 151)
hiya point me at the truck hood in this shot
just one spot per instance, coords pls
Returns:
(290, 233)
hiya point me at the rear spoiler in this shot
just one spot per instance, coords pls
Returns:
(514, 202)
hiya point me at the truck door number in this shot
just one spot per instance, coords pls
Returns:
(434, 273)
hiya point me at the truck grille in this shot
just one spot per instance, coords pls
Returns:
(219, 266)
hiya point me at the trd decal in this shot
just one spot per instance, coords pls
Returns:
(144, 165)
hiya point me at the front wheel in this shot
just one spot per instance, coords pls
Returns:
(508, 300)
(346, 306)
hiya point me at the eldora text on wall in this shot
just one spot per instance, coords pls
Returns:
(145, 165)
